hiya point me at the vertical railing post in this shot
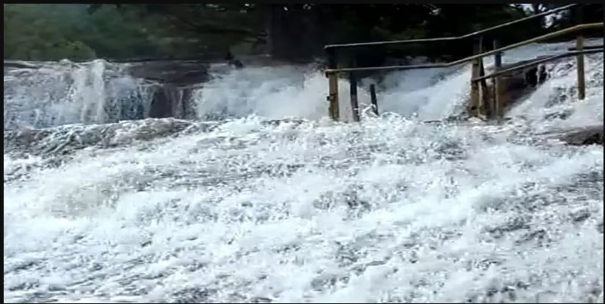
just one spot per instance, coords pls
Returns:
(354, 103)
(476, 98)
(580, 64)
(497, 100)
(580, 57)
(483, 96)
(373, 98)
(333, 84)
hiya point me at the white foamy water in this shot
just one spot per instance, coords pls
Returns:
(53, 94)
(250, 209)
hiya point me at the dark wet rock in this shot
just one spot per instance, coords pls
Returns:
(558, 115)
(287, 248)
(176, 80)
(65, 139)
(451, 150)
(346, 254)
(15, 64)
(516, 84)
(14, 139)
(539, 236)
(505, 293)
(326, 281)
(279, 170)
(96, 267)
(580, 216)
(483, 264)
(24, 265)
(260, 300)
(560, 96)
(172, 101)
(359, 269)
(178, 73)
(517, 223)
(584, 136)
(24, 286)
(192, 295)
(349, 197)
(277, 122)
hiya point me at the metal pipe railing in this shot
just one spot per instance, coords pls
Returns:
(480, 32)
(478, 89)
(562, 32)
(536, 62)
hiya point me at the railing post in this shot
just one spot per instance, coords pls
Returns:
(333, 84)
(580, 57)
(354, 103)
(483, 93)
(497, 101)
(580, 64)
(476, 105)
(373, 98)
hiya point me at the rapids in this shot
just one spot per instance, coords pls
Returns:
(263, 199)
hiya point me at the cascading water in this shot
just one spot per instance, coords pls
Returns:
(248, 206)
(54, 94)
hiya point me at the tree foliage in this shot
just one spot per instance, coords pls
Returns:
(130, 31)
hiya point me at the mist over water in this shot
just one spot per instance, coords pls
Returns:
(263, 199)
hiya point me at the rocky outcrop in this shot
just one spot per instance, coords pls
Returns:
(176, 73)
(15, 64)
(172, 101)
(175, 80)
(70, 138)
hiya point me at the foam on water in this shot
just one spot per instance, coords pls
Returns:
(272, 92)
(53, 94)
(307, 210)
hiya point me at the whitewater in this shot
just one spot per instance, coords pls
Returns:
(264, 199)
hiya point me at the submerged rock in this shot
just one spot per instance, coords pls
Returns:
(66, 139)
(585, 136)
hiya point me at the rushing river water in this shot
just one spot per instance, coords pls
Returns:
(275, 203)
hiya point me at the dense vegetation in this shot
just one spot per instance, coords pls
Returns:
(290, 31)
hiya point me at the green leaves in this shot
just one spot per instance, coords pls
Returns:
(131, 31)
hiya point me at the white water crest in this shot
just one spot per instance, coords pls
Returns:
(263, 199)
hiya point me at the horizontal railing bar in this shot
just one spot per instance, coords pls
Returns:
(376, 43)
(389, 68)
(535, 62)
(572, 29)
(471, 58)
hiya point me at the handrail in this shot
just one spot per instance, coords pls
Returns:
(537, 61)
(471, 58)
(345, 45)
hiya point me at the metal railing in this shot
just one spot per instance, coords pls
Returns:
(473, 34)
(576, 28)
(536, 62)
(496, 107)
(478, 85)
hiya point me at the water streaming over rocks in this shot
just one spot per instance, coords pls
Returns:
(265, 200)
